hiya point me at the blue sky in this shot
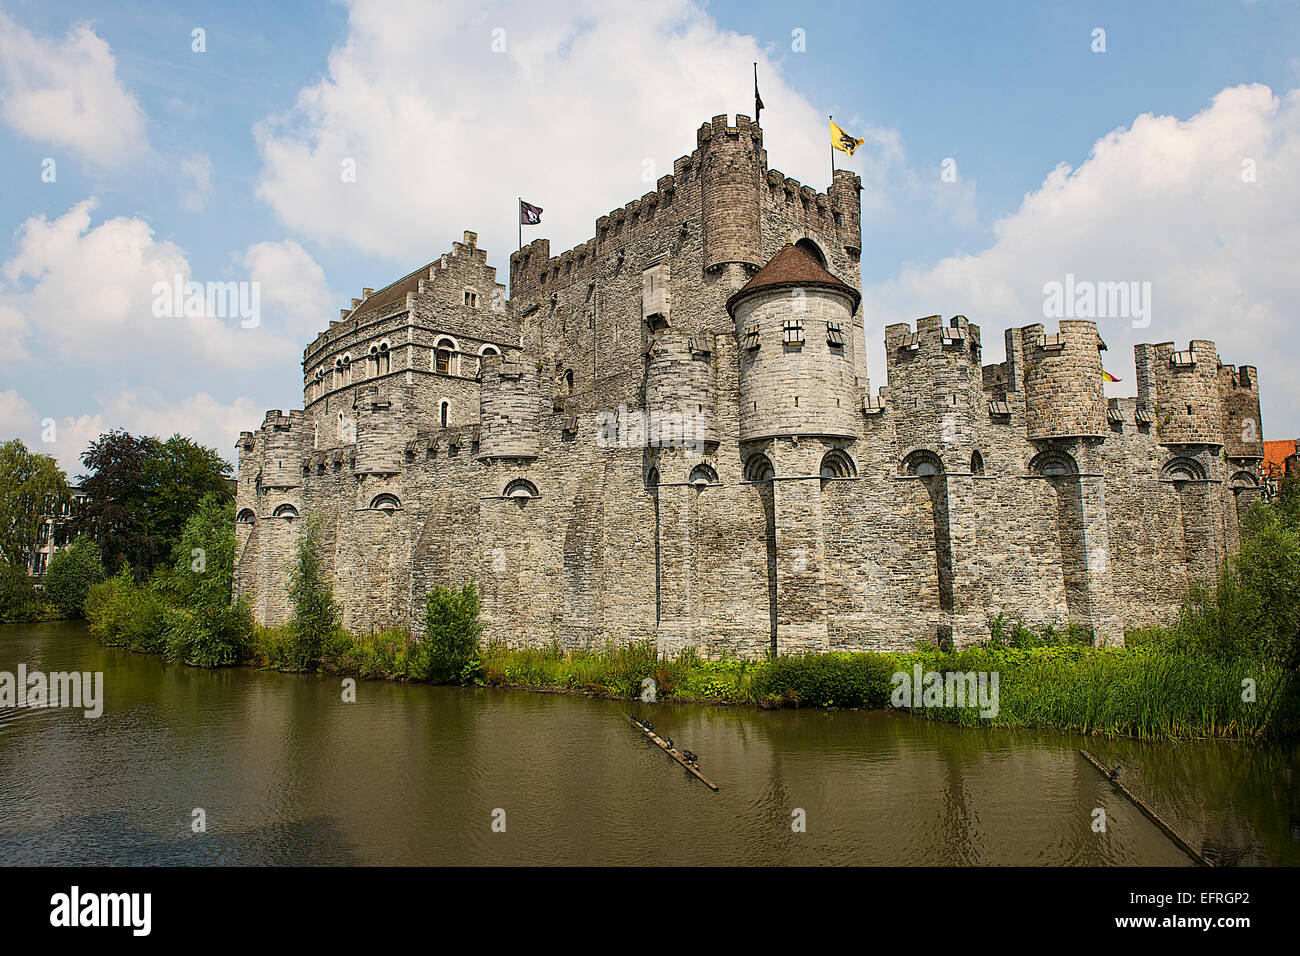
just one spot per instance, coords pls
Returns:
(230, 173)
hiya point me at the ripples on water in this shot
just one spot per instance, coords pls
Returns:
(288, 774)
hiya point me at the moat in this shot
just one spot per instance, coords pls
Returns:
(286, 773)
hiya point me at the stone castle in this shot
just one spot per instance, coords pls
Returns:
(667, 433)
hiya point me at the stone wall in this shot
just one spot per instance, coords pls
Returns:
(521, 455)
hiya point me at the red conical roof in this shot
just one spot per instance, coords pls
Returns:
(792, 268)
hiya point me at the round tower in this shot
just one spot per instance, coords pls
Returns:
(510, 408)
(679, 392)
(1243, 435)
(730, 162)
(936, 388)
(1063, 384)
(380, 435)
(793, 322)
(1189, 405)
(846, 200)
(281, 454)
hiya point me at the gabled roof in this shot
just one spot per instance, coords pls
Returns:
(793, 268)
(394, 292)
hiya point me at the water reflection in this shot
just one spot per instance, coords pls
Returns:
(289, 774)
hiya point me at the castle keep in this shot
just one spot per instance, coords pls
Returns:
(667, 433)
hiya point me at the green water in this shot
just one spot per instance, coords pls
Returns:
(287, 773)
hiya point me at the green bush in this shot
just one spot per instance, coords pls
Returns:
(122, 613)
(71, 574)
(315, 616)
(19, 601)
(452, 632)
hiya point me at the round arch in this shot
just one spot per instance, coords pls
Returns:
(520, 488)
(758, 467)
(1053, 463)
(922, 463)
(814, 250)
(836, 463)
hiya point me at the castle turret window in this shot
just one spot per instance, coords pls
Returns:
(835, 334)
(751, 336)
(792, 332)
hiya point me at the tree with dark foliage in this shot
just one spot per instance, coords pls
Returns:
(141, 491)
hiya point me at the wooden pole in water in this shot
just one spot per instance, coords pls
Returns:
(1150, 814)
(663, 744)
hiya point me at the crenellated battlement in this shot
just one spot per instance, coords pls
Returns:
(1182, 389)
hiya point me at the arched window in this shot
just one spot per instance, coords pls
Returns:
(976, 462)
(444, 356)
(813, 250)
(568, 382)
(652, 481)
(444, 412)
(923, 464)
(285, 511)
(1053, 463)
(1182, 469)
(1243, 479)
(385, 502)
(837, 464)
(520, 488)
(346, 362)
(246, 516)
(759, 468)
(702, 476)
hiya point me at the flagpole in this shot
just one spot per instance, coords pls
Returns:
(519, 218)
(832, 119)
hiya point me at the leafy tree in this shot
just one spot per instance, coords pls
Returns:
(315, 614)
(32, 488)
(203, 627)
(142, 491)
(71, 574)
(452, 630)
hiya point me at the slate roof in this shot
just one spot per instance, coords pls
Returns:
(792, 268)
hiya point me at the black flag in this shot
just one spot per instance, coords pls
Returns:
(529, 215)
(758, 100)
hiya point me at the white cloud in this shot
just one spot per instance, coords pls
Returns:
(566, 116)
(141, 411)
(198, 169)
(90, 293)
(1164, 202)
(293, 283)
(67, 94)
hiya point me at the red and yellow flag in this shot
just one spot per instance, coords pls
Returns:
(1107, 377)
